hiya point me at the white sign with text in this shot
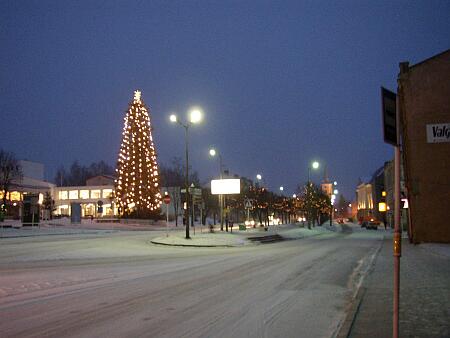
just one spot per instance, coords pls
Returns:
(437, 133)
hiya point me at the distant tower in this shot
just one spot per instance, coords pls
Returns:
(327, 186)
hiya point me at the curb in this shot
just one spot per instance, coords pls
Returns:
(352, 311)
(196, 245)
(345, 327)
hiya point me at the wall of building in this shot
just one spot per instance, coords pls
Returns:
(90, 198)
(424, 93)
(364, 200)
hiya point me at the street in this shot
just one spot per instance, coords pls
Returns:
(118, 284)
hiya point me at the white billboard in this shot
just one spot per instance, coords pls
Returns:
(226, 186)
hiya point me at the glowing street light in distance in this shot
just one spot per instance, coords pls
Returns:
(173, 118)
(195, 115)
(212, 152)
(315, 165)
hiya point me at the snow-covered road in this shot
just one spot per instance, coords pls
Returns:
(120, 285)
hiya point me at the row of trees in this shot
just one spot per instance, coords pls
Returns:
(77, 174)
(310, 202)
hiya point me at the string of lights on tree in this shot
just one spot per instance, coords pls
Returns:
(137, 184)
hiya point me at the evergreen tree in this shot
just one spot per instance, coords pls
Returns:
(137, 184)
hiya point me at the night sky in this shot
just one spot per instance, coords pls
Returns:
(281, 83)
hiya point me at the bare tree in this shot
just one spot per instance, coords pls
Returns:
(173, 176)
(9, 170)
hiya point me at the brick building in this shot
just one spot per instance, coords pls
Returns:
(424, 100)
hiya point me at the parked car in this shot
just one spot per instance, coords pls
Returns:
(370, 223)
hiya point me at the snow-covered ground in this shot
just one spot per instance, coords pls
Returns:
(116, 284)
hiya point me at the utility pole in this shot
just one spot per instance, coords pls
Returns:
(397, 226)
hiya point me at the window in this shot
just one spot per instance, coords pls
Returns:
(14, 196)
(84, 194)
(95, 193)
(73, 194)
(63, 210)
(63, 195)
(107, 193)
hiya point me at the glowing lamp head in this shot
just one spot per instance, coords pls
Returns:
(315, 165)
(259, 177)
(281, 188)
(294, 196)
(173, 118)
(336, 191)
(335, 183)
(212, 152)
(195, 115)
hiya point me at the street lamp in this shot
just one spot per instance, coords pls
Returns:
(315, 165)
(213, 152)
(195, 116)
(281, 188)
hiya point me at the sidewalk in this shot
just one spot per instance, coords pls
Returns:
(239, 237)
(424, 293)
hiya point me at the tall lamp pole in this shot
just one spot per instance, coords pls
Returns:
(195, 117)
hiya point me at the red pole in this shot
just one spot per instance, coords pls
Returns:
(397, 228)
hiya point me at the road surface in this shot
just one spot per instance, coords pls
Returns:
(121, 285)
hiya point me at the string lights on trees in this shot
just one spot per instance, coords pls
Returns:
(137, 183)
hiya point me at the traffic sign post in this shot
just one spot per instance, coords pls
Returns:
(391, 129)
(166, 200)
(389, 113)
(248, 204)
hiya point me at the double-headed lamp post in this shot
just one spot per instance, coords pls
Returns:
(213, 153)
(315, 165)
(195, 116)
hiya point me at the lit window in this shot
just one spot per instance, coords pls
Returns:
(14, 196)
(84, 194)
(73, 194)
(95, 193)
(63, 195)
(107, 193)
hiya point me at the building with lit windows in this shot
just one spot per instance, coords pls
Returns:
(96, 198)
(369, 195)
(31, 182)
(364, 199)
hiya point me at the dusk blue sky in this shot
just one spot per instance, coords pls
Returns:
(281, 83)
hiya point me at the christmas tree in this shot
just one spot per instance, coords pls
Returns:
(137, 185)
